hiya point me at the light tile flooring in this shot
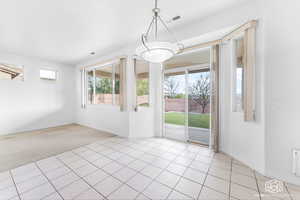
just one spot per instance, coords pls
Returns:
(15, 151)
(116, 168)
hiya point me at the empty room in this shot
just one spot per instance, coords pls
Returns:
(149, 99)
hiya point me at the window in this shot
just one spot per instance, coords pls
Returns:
(142, 83)
(11, 72)
(238, 74)
(103, 85)
(48, 74)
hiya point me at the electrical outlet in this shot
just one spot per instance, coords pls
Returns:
(296, 162)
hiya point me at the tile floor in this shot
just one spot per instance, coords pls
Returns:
(15, 151)
(116, 168)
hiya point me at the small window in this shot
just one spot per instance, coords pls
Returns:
(142, 83)
(238, 74)
(48, 74)
(11, 72)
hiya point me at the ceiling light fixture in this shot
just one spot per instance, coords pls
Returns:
(157, 51)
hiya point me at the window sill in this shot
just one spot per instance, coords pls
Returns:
(143, 108)
(103, 106)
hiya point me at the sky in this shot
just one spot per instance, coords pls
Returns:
(192, 78)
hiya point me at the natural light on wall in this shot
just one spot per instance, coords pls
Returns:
(48, 74)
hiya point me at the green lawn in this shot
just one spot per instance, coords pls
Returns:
(195, 120)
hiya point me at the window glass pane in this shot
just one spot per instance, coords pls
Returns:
(142, 83)
(11, 72)
(239, 71)
(90, 87)
(117, 84)
(174, 94)
(104, 85)
(199, 95)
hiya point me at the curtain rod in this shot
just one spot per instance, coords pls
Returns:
(238, 30)
(201, 45)
(105, 62)
(225, 38)
(229, 36)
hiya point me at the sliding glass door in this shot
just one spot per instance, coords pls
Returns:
(175, 105)
(199, 105)
(187, 104)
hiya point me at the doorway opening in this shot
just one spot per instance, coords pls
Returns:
(187, 97)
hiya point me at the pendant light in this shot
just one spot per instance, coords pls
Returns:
(157, 51)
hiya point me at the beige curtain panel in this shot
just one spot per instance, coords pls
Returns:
(123, 85)
(249, 77)
(214, 140)
(135, 104)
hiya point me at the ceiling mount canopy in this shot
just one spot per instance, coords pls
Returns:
(154, 49)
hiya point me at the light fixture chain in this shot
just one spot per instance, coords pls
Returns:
(156, 26)
(149, 28)
(169, 30)
(155, 10)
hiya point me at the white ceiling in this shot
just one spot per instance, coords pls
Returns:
(67, 30)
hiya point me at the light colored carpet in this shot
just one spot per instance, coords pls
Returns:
(23, 148)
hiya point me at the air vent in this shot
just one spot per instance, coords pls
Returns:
(176, 18)
(173, 19)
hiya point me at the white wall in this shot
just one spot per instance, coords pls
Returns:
(244, 141)
(143, 121)
(265, 144)
(33, 103)
(109, 117)
(157, 79)
(282, 30)
(102, 117)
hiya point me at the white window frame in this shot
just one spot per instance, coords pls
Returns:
(234, 74)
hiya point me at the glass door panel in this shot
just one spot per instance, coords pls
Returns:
(175, 105)
(198, 106)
